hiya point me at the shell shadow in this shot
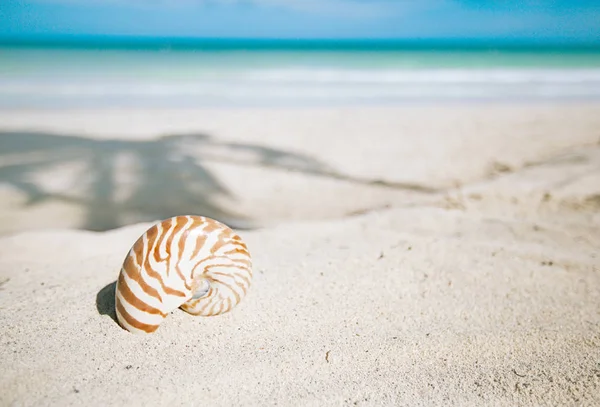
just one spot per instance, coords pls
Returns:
(105, 301)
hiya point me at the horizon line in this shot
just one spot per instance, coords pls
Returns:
(95, 41)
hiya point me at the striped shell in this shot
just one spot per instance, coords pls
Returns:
(191, 262)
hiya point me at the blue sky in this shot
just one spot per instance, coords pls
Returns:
(539, 20)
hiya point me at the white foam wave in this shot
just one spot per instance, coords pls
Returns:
(306, 86)
(428, 76)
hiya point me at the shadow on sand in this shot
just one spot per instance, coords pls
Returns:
(105, 301)
(160, 177)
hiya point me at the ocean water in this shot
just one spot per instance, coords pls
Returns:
(221, 75)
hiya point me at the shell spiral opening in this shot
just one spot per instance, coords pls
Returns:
(190, 262)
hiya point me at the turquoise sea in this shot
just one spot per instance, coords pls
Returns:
(224, 73)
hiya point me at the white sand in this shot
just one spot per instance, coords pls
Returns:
(287, 170)
(488, 294)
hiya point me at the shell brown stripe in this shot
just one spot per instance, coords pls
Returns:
(151, 236)
(220, 281)
(242, 286)
(178, 226)
(138, 250)
(228, 307)
(132, 299)
(180, 274)
(237, 250)
(216, 301)
(222, 240)
(229, 266)
(200, 242)
(155, 248)
(245, 262)
(211, 227)
(235, 293)
(220, 309)
(237, 283)
(133, 273)
(246, 279)
(204, 306)
(152, 246)
(181, 248)
(132, 321)
(155, 275)
(235, 277)
(239, 241)
(164, 231)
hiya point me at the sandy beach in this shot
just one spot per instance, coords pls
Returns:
(423, 255)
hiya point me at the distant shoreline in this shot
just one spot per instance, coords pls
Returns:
(291, 44)
(93, 72)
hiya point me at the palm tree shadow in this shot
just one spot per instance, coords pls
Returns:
(118, 182)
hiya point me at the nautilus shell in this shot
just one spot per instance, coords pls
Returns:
(190, 262)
